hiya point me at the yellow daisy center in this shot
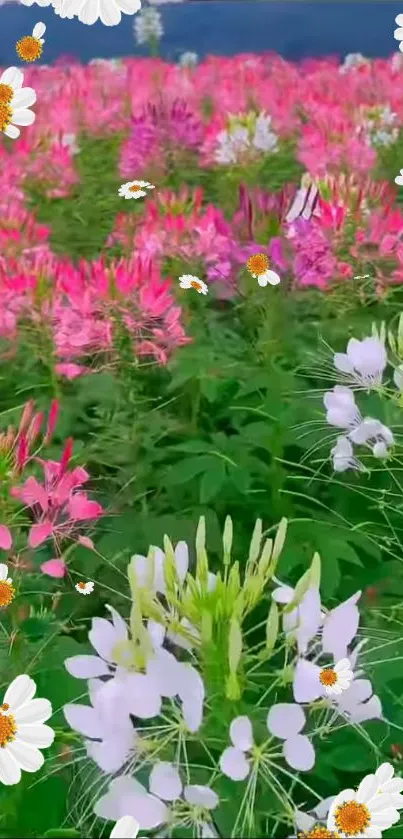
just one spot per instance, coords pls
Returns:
(6, 93)
(29, 48)
(258, 263)
(328, 677)
(7, 593)
(5, 115)
(318, 832)
(195, 284)
(82, 585)
(8, 728)
(352, 818)
(135, 188)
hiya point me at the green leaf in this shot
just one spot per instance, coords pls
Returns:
(185, 470)
(62, 833)
(212, 480)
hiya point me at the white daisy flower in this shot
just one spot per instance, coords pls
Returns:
(29, 48)
(85, 588)
(365, 812)
(22, 732)
(125, 828)
(135, 189)
(398, 33)
(336, 679)
(258, 267)
(15, 101)
(190, 281)
(7, 590)
(89, 11)
(399, 178)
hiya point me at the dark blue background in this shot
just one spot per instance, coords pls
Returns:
(294, 29)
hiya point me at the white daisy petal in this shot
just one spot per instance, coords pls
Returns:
(21, 691)
(10, 772)
(23, 116)
(35, 711)
(38, 735)
(24, 98)
(39, 30)
(3, 572)
(28, 758)
(13, 77)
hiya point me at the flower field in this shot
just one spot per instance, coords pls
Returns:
(201, 364)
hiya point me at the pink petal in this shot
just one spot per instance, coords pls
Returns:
(34, 493)
(39, 533)
(71, 371)
(54, 568)
(80, 508)
(86, 542)
(6, 539)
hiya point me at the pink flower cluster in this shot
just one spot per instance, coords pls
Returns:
(58, 506)
(171, 120)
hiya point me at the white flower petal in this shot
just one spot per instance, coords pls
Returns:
(10, 772)
(39, 30)
(165, 781)
(201, 796)
(23, 98)
(21, 691)
(23, 117)
(38, 735)
(13, 77)
(34, 711)
(27, 757)
(3, 572)
(234, 764)
(84, 719)
(241, 733)
(126, 828)
(86, 667)
(285, 719)
(299, 753)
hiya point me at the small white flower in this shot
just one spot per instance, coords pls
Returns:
(363, 363)
(29, 48)
(6, 586)
(190, 281)
(264, 138)
(16, 101)
(134, 189)
(398, 33)
(125, 828)
(188, 59)
(373, 430)
(353, 59)
(85, 588)
(148, 26)
(336, 679)
(399, 178)
(22, 732)
(370, 811)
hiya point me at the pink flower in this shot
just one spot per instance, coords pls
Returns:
(6, 539)
(54, 568)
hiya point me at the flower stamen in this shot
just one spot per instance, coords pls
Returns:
(7, 593)
(8, 728)
(352, 818)
(29, 48)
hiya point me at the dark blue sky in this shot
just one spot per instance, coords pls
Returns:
(294, 29)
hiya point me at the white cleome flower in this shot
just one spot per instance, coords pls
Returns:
(353, 59)
(188, 59)
(15, 101)
(151, 809)
(190, 281)
(365, 812)
(343, 455)
(85, 588)
(363, 363)
(148, 26)
(125, 828)
(264, 138)
(22, 732)
(134, 189)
